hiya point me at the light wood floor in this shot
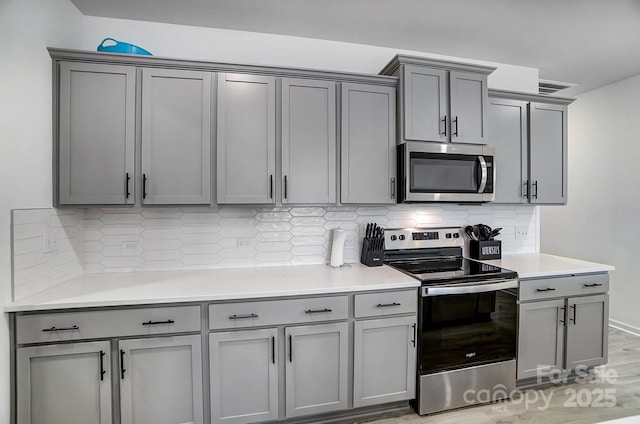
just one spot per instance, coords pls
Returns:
(624, 394)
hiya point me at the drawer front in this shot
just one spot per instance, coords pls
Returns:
(63, 326)
(275, 312)
(386, 303)
(553, 287)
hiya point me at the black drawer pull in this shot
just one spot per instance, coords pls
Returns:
(593, 285)
(246, 316)
(54, 328)
(169, 321)
(383, 305)
(317, 311)
(546, 290)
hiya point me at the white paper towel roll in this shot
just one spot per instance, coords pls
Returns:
(337, 248)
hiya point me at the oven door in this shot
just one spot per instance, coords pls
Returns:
(467, 325)
(446, 173)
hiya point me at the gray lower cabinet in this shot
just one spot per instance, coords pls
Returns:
(316, 368)
(64, 383)
(308, 141)
(246, 138)
(368, 144)
(176, 137)
(244, 376)
(384, 360)
(96, 134)
(161, 380)
(530, 138)
(559, 332)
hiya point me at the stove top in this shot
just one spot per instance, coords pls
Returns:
(451, 271)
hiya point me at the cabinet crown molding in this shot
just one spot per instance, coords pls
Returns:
(529, 97)
(398, 60)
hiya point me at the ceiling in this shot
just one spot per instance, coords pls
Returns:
(587, 42)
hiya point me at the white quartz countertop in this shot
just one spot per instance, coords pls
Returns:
(537, 265)
(137, 288)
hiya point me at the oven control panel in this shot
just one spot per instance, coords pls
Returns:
(419, 238)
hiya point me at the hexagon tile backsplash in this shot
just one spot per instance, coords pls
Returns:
(156, 239)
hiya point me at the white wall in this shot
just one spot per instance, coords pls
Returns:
(604, 192)
(27, 27)
(222, 45)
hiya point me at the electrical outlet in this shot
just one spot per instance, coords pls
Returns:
(522, 233)
(131, 247)
(49, 242)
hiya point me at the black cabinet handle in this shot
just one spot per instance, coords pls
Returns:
(273, 349)
(169, 321)
(270, 186)
(456, 121)
(574, 314)
(535, 193)
(246, 316)
(290, 348)
(525, 191)
(317, 311)
(593, 285)
(383, 305)
(144, 186)
(285, 186)
(54, 328)
(414, 335)
(126, 185)
(102, 371)
(564, 313)
(122, 370)
(444, 121)
(393, 188)
(546, 290)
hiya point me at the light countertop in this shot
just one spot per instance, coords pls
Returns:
(138, 288)
(537, 265)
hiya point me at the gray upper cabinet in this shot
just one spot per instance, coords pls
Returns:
(176, 137)
(96, 134)
(529, 133)
(441, 101)
(548, 151)
(508, 124)
(308, 141)
(246, 138)
(368, 144)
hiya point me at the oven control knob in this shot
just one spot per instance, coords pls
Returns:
(394, 238)
(456, 235)
(448, 235)
(401, 236)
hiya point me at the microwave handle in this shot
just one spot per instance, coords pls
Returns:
(484, 175)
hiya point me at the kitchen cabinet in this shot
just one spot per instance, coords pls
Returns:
(529, 134)
(176, 137)
(441, 101)
(246, 138)
(368, 166)
(239, 357)
(161, 380)
(64, 383)
(562, 324)
(308, 141)
(94, 153)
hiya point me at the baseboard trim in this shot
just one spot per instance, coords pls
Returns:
(624, 327)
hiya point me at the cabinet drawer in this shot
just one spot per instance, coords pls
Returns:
(274, 312)
(55, 327)
(386, 303)
(576, 285)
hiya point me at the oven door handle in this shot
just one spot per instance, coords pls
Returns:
(469, 288)
(484, 175)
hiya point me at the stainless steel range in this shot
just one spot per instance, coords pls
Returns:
(467, 319)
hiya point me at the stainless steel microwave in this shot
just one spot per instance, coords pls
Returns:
(432, 172)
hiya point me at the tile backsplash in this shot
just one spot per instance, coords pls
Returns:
(156, 239)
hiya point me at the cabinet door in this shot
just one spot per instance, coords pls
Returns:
(548, 153)
(308, 141)
(176, 137)
(246, 138)
(64, 384)
(587, 331)
(508, 123)
(384, 360)
(96, 134)
(468, 102)
(368, 144)
(540, 338)
(244, 376)
(161, 380)
(425, 104)
(316, 368)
